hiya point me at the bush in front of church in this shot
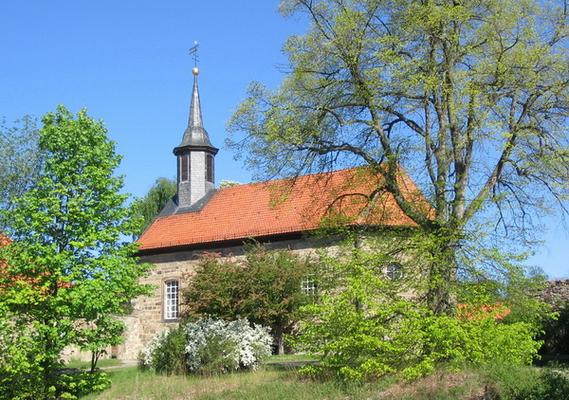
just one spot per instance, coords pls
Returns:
(208, 346)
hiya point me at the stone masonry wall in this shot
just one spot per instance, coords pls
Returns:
(147, 317)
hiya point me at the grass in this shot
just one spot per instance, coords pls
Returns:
(290, 358)
(275, 382)
(279, 384)
(265, 384)
(107, 362)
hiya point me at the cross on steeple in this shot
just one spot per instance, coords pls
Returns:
(194, 52)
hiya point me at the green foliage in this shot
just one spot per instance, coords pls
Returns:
(74, 384)
(217, 356)
(207, 347)
(369, 326)
(513, 383)
(429, 85)
(104, 331)
(70, 268)
(552, 385)
(468, 98)
(556, 333)
(265, 288)
(22, 372)
(169, 357)
(148, 207)
(20, 359)
(477, 340)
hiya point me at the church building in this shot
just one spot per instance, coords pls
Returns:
(201, 218)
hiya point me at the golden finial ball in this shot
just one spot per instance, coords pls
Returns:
(195, 71)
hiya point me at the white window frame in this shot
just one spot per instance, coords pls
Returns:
(308, 286)
(171, 303)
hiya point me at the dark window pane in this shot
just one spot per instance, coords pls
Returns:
(209, 168)
(185, 167)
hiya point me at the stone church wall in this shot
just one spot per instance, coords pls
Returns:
(147, 317)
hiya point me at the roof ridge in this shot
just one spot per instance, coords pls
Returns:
(291, 178)
(248, 184)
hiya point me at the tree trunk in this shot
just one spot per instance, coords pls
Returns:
(94, 359)
(279, 339)
(442, 276)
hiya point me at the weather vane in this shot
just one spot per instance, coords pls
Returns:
(194, 52)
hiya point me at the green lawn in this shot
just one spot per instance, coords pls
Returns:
(278, 384)
(277, 381)
(109, 362)
(290, 358)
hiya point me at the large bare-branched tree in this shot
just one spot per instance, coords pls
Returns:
(469, 97)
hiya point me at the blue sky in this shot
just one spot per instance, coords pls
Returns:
(127, 63)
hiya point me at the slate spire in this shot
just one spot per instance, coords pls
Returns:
(195, 134)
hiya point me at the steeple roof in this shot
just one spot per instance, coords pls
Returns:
(195, 134)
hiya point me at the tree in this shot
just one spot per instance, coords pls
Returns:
(20, 160)
(469, 98)
(150, 205)
(265, 288)
(69, 267)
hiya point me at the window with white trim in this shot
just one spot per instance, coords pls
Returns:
(171, 300)
(308, 286)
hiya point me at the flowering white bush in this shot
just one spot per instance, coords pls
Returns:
(254, 343)
(211, 346)
(147, 352)
(243, 346)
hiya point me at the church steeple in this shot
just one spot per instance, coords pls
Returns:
(195, 155)
(195, 134)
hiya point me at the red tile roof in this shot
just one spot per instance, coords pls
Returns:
(282, 206)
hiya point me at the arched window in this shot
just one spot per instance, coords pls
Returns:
(171, 300)
(209, 168)
(394, 271)
(184, 167)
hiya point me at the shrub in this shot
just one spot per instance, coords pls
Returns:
(478, 341)
(525, 383)
(208, 346)
(76, 383)
(552, 385)
(556, 333)
(19, 362)
(169, 358)
(146, 356)
(359, 345)
(21, 368)
(366, 329)
(264, 287)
